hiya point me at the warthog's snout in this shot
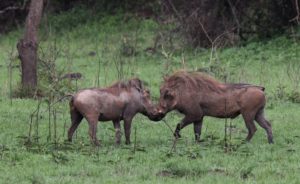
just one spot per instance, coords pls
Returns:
(157, 114)
(160, 111)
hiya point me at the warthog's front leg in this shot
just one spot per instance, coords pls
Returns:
(184, 122)
(261, 120)
(127, 129)
(93, 120)
(197, 129)
(76, 118)
(118, 131)
(249, 121)
(92, 133)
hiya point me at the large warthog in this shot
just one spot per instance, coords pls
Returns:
(196, 95)
(121, 101)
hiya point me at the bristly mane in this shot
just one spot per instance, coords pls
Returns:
(244, 85)
(193, 80)
(185, 80)
(120, 84)
(127, 84)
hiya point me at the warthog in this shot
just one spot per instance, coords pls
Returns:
(196, 95)
(121, 101)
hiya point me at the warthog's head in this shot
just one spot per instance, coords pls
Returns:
(144, 93)
(167, 102)
(146, 99)
(148, 109)
(151, 111)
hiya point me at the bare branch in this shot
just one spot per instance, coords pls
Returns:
(175, 11)
(297, 17)
(235, 16)
(205, 32)
(9, 8)
(12, 8)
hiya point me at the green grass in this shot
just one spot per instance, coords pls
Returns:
(150, 159)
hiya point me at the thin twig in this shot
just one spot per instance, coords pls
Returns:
(31, 119)
(230, 132)
(10, 75)
(65, 127)
(174, 145)
(167, 125)
(225, 137)
(49, 121)
(297, 17)
(134, 146)
(37, 120)
(235, 16)
(54, 122)
(10, 8)
(99, 66)
(206, 34)
(175, 138)
(30, 128)
(175, 10)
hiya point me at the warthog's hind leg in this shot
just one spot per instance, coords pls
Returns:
(184, 122)
(249, 121)
(117, 131)
(261, 120)
(197, 130)
(93, 120)
(127, 129)
(76, 118)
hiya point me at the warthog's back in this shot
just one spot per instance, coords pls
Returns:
(100, 101)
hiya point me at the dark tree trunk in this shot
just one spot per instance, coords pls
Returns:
(28, 45)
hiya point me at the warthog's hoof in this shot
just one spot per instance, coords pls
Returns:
(271, 141)
(96, 143)
(198, 141)
(177, 135)
(197, 138)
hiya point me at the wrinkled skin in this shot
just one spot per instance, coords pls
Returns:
(114, 104)
(226, 101)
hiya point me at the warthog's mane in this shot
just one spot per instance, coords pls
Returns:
(120, 84)
(134, 82)
(185, 80)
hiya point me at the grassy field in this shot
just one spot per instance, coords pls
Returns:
(150, 158)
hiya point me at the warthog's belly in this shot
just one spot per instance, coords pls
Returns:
(109, 117)
(231, 115)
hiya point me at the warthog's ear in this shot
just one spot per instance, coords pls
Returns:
(136, 83)
(169, 94)
(146, 91)
(165, 77)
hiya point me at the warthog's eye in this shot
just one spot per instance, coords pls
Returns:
(168, 96)
(146, 93)
(165, 95)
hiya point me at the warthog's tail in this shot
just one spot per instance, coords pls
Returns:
(63, 97)
(250, 85)
(260, 87)
(60, 99)
(71, 102)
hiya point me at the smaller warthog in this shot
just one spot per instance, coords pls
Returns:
(197, 95)
(121, 101)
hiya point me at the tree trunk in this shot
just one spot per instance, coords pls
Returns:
(27, 47)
